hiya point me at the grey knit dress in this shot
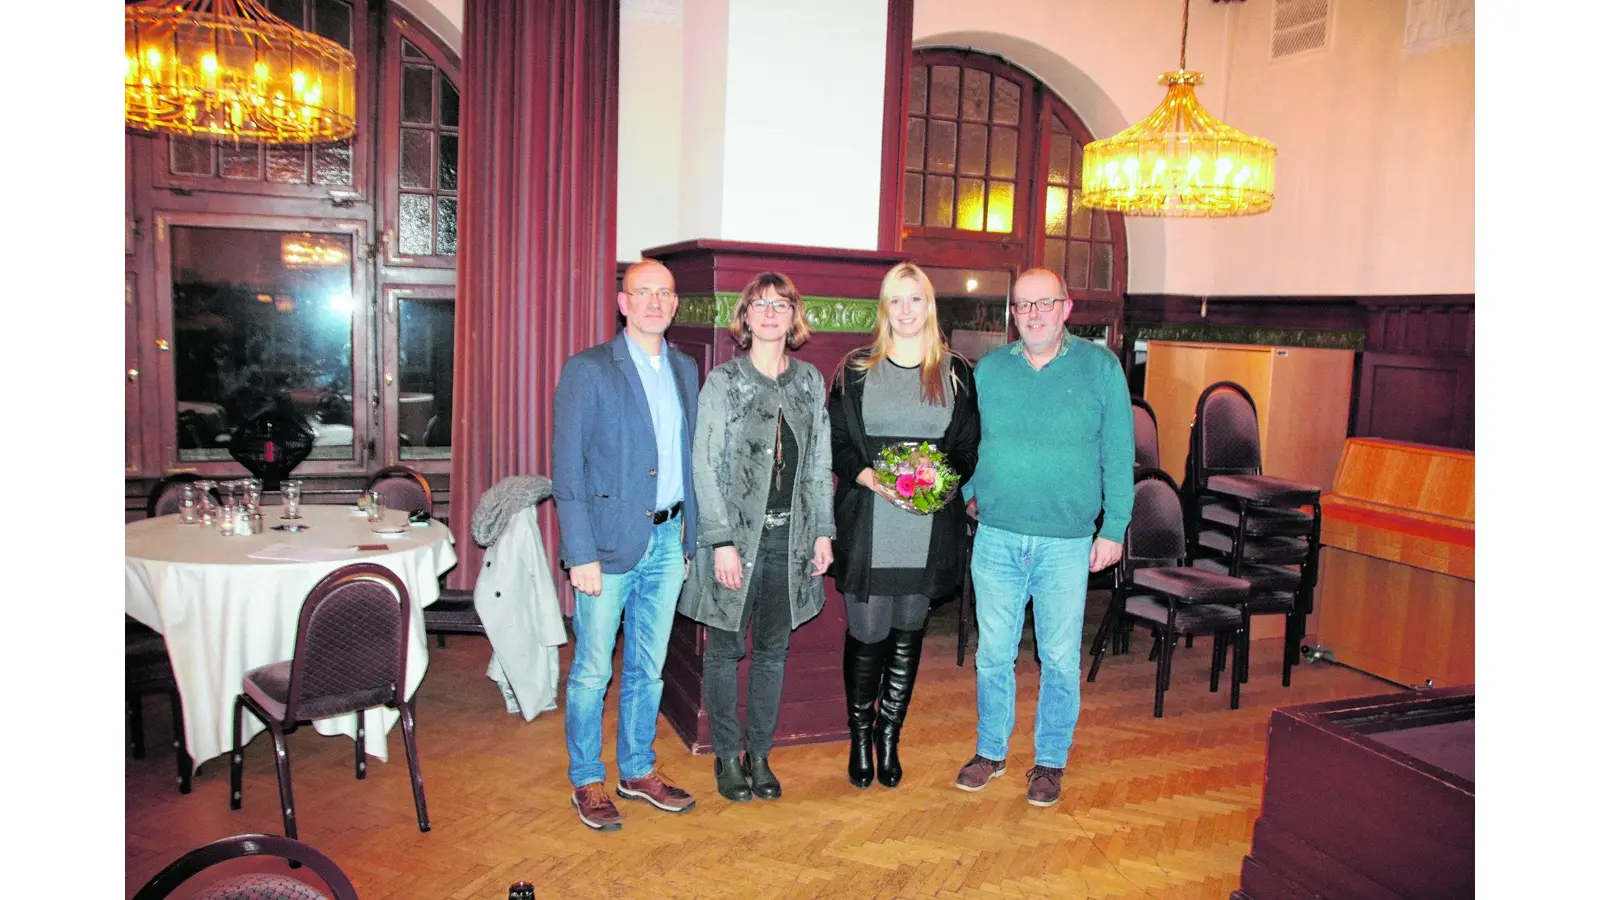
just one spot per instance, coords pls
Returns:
(892, 409)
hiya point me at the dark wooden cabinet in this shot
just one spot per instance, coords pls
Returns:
(1367, 798)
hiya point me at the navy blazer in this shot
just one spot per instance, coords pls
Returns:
(604, 456)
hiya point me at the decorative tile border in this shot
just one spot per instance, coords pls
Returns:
(822, 313)
(1314, 338)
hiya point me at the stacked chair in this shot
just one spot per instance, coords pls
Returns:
(1253, 526)
(1155, 585)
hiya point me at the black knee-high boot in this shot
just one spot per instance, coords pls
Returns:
(899, 674)
(863, 673)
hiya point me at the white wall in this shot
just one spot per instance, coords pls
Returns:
(1375, 161)
(802, 153)
(1375, 165)
(652, 116)
(1374, 190)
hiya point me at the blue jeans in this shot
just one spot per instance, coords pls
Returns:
(1007, 568)
(644, 600)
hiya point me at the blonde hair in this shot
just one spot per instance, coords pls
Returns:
(936, 352)
(799, 332)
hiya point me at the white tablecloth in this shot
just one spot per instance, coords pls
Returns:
(224, 613)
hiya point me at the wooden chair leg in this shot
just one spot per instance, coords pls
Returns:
(236, 758)
(280, 749)
(1242, 659)
(361, 745)
(1218, 647)
(1163, 670)
(135, 714)
(185, 764)
(1097, 649)
(1293, 627)
(414, 764)
(1188, 641)
(1239, 645)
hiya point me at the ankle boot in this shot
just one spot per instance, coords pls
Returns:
(900, 673)
(763, 783)
(863, 676)
(731, 780)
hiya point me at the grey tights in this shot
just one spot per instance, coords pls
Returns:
(869, 620)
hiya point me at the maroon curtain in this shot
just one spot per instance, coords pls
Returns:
(537, 262)
(896, 97)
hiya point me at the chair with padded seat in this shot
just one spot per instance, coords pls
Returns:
(349, 656)
(1146, 436)
(1248, 524)
(252, 885)
(1225, 439)
(1155, 585)
(403, 487)
(148, 670)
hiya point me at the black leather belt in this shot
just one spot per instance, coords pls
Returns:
(662, 515)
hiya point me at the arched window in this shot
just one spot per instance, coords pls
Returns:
(318, 278)
(992, 178)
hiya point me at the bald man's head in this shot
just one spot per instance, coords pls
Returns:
(648, 301)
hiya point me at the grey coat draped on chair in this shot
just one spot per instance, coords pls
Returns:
(734, 441)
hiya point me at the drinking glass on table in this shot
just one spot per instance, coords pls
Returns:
(290, 490)
(189, 505)
(375, 506)
(208, 501)
(230, 512)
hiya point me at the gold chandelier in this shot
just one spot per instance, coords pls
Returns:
(230, 68)
(1180, 160)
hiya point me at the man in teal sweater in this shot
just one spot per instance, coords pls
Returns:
(1056, 449)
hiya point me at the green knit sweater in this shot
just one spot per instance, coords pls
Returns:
(1057, 442)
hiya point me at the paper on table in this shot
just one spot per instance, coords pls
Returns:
(299, 553)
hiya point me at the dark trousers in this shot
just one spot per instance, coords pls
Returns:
(767, 619)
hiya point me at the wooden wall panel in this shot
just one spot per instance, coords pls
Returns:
(1396, 621)
(1302, 398)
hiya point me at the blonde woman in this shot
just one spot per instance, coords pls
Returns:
(761, 461)
(908, 385)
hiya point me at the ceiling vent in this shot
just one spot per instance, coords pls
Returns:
(1299, 26)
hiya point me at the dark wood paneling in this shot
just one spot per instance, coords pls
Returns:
(700, 266)
(1422, 399)
(813, 691)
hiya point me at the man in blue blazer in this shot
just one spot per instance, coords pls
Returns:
(624, 421)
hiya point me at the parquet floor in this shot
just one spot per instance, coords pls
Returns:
(1150, 808)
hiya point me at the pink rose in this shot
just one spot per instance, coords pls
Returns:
(926, 476)
(906, 485)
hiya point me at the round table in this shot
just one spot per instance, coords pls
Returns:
(224, 611)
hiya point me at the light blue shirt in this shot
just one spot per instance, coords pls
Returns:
(666, 416)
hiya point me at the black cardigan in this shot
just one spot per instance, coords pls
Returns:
(853, 503)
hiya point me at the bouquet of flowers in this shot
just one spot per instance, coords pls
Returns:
(917, 475)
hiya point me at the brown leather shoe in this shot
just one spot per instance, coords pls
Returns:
(595, 808)
(976, 774)
(658, 792)
(1044, 785)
